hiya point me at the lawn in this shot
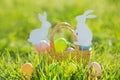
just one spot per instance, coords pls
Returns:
(19, 17)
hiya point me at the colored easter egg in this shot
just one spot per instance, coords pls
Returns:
(70, 69)
(60, 45)
(27, 71)
(96, 69)
(84, 47)
(70, 49)
(43, 47)
(26, 78)
(53, 67)
(27, 68)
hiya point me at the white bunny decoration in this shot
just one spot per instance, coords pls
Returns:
(41, 33)
(84, 35)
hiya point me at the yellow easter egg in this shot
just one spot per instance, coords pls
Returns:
(70, 69)
(60, 45)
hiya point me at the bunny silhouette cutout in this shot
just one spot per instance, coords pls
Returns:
(41, 33)
(83, 33)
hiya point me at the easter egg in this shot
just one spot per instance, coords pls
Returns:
(70, 49)
(27, 71)
(26, 78)
(70, 69)
(84, 47)
(96, 69)
(53, 67)
(43, 47)
(60, 45)
(27, 68)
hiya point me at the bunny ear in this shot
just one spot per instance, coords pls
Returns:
(40, 17)
(45, 15)
(91, 16)
(88, 12)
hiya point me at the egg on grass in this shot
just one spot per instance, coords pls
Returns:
(43, 47)
(70, 69)
(53, 67)
(27, 70)
(95, 69)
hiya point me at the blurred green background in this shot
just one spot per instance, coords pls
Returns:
(19, 17)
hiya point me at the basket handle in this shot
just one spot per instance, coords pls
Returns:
(57, 27)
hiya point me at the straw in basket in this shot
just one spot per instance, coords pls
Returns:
(76, 53)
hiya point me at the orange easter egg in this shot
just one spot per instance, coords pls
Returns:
(27, 68)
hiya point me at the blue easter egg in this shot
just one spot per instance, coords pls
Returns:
(84, 47)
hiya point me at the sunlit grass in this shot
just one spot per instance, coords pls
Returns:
(18, 18)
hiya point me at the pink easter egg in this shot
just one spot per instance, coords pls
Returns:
(97, 68)
(43, 47)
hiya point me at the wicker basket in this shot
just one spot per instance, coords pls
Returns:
(75, 54)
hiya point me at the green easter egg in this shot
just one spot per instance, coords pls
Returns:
(70, 69)
(53, 67)
(60, 45)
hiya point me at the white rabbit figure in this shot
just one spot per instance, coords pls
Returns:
(41, 33)
(83, 33)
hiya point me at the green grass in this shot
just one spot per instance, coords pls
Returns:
(18, 18)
